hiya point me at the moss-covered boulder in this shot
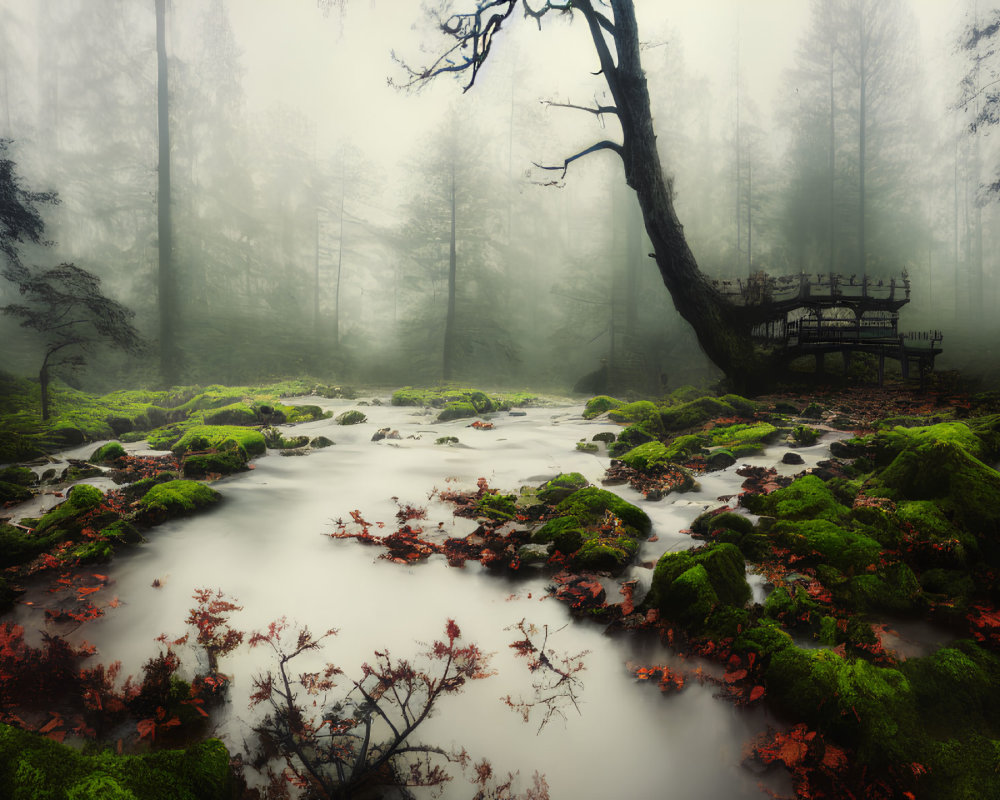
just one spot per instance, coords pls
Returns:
(590, 505)
(18, 475)
(695, 413)
(175, 498)
(606, 553)
(820, 541)
(633, 412)
(457, 409)
(561, 487)
(109, 453)
(241, 414)
(33, 767)
(225, 461)
(65, 516)
(216, 437)
(806, 498)
(598, 405)
(352, 417)
(319, 442)
(11, 493)
(497, 506)
(689, 586)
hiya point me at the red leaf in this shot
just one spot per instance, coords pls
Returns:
(756, 693)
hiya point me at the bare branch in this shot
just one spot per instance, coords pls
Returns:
(596, 110)
(603, 145)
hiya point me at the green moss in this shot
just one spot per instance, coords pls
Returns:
(320, 442)
(687, 586)
(805, 436)
(648, 457)
(821, 541)
(602, 554)
(497, 506)
(33, 767)
(741, 405)
(633, 436)
(695, 413)
(741, 435)
(177, 497)
(90, 552)
(209, 437)
(633, 412)
(561, 487)
(805, 498)
(234, 414)
(598, 405)
(590, 504)
(81, 498)
(565, 533)
(352, 417)
(481, 401)
(225, 462)
(13, 493)
(446, 440)
(683, 448)
(458, 409)
(19, 476)
(18, 546)
(112, 451)
(588, 447)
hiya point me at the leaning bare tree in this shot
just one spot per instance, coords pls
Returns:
(723, 329)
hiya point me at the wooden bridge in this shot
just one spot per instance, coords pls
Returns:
(834, 314)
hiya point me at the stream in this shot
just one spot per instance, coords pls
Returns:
(266, 545)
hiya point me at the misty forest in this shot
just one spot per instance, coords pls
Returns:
(499, 399)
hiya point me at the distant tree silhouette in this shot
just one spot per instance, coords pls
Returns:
(71, 314)
(20, 219)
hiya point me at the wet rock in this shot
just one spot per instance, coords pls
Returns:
(321, 441)
(792, 458)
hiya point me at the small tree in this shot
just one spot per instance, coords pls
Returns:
(71, 314)
(363, 740)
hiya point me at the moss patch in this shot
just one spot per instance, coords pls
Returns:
(177, 497)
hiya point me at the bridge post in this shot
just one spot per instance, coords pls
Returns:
(847, 354)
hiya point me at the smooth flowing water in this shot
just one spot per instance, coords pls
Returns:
(266, 545)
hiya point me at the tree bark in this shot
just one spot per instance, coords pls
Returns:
(43, 382)
(722, 328)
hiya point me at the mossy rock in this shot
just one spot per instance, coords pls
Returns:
(694, 414)
(631, 437)
(497, 506)
(165, 437)
(33, 767)
(650, 457)
(742, 435)
(688, 586)
(606, 554)
(223, 462)
(177, 497)
(446, 440)
(894, 589)
(352, 417)
(306, 412)
(720, 459)
(685, 394)
(869, 708)
(108, 453)
(20, 476)
(80, 499)
(587, 447)
(806, 498)
(633, 412)
(561, 487)
(16, 446)
(457, 409)
(90, 553)
(589, 505)
(813, 411)
(13, 493)
(319, 442)
(565, 534)
(805, 436)
(598, 405)
(822, 541)
(215, 437)
(604, 436)
(240, 414)
(18, 546)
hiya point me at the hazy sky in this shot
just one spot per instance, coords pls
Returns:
(338, 65)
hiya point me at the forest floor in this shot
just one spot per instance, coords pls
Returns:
(903, 520)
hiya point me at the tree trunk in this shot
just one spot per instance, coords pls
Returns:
(449, 321)
(723, 329)
(167, 282)
(43, 382)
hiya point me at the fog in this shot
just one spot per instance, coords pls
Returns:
(311, 196)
